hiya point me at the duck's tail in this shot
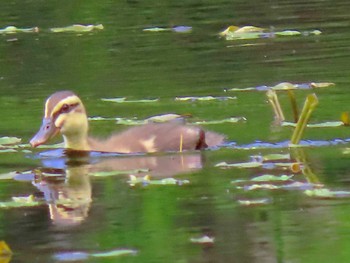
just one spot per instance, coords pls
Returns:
(210, 139)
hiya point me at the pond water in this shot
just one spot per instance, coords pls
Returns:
(186, 208)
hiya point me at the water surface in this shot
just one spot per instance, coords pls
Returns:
(158, 221)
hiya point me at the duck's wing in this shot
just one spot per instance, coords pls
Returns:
(159, 138)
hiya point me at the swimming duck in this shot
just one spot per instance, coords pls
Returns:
(65, 114)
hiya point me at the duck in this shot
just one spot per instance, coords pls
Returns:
(65, 114)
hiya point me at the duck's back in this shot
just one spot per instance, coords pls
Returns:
(159, 138)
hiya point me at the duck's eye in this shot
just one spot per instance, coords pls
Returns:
(65, 108)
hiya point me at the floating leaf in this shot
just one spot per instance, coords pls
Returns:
(203, 240)
(327, 124)
(205, 98)
(51, 146)
(240, 30)
(146, 180)
(114, 253)
(284, 86)
(77, 28)
(261, 187)
(326, 193)
(322, 84)
(123, 100)
(165, 117)
(276, 156)
(252, 32)
(288, 33)
(253, 164)
(156, 29)
(7, 176)
(9, 140)
(228, 120)
(263, 201)
(8, 150)
(113, 173)
(265, 178)
(270, 177)
(13, 30)
(20, 202)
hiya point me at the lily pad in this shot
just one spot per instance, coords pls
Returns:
(77, 28)
(205, 98)
(283, 86)
(228, 120)
(156, 29)
(253, 32)
(254, 202)
(245, 165)
(146, 180)
(13, 30)
(26, 201)
(203, 240)
(124, 100)
(114, 253)
(326, 193)
(119, 172)
(165, 117)
(327, 124)
(9, 140)
(276, 156)
(271, 178)
(8, 150)
(288, 33)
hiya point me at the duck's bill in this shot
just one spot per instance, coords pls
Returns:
(46, 131)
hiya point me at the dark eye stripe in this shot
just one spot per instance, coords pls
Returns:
(64, 109)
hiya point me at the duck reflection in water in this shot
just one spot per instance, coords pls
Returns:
(66, 186)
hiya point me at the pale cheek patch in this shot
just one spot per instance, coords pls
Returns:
(59, 121)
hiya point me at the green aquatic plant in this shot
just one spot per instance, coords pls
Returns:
(77, 28)
(23, 201)
(9, 140)
(118, 172)
(203, 240)
(285, 86)
(327, 124)
(124, 100)
(253, 32)
(254, 202)
(310, 104)
(13, 30)
(146, 180)
(204, 98)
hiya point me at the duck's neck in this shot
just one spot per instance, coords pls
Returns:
(77, 142)
(75, 132)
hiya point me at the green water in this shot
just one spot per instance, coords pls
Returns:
(158, 221)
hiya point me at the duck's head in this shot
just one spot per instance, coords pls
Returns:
(64, 113)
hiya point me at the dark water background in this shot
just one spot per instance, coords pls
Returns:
(124, 61)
